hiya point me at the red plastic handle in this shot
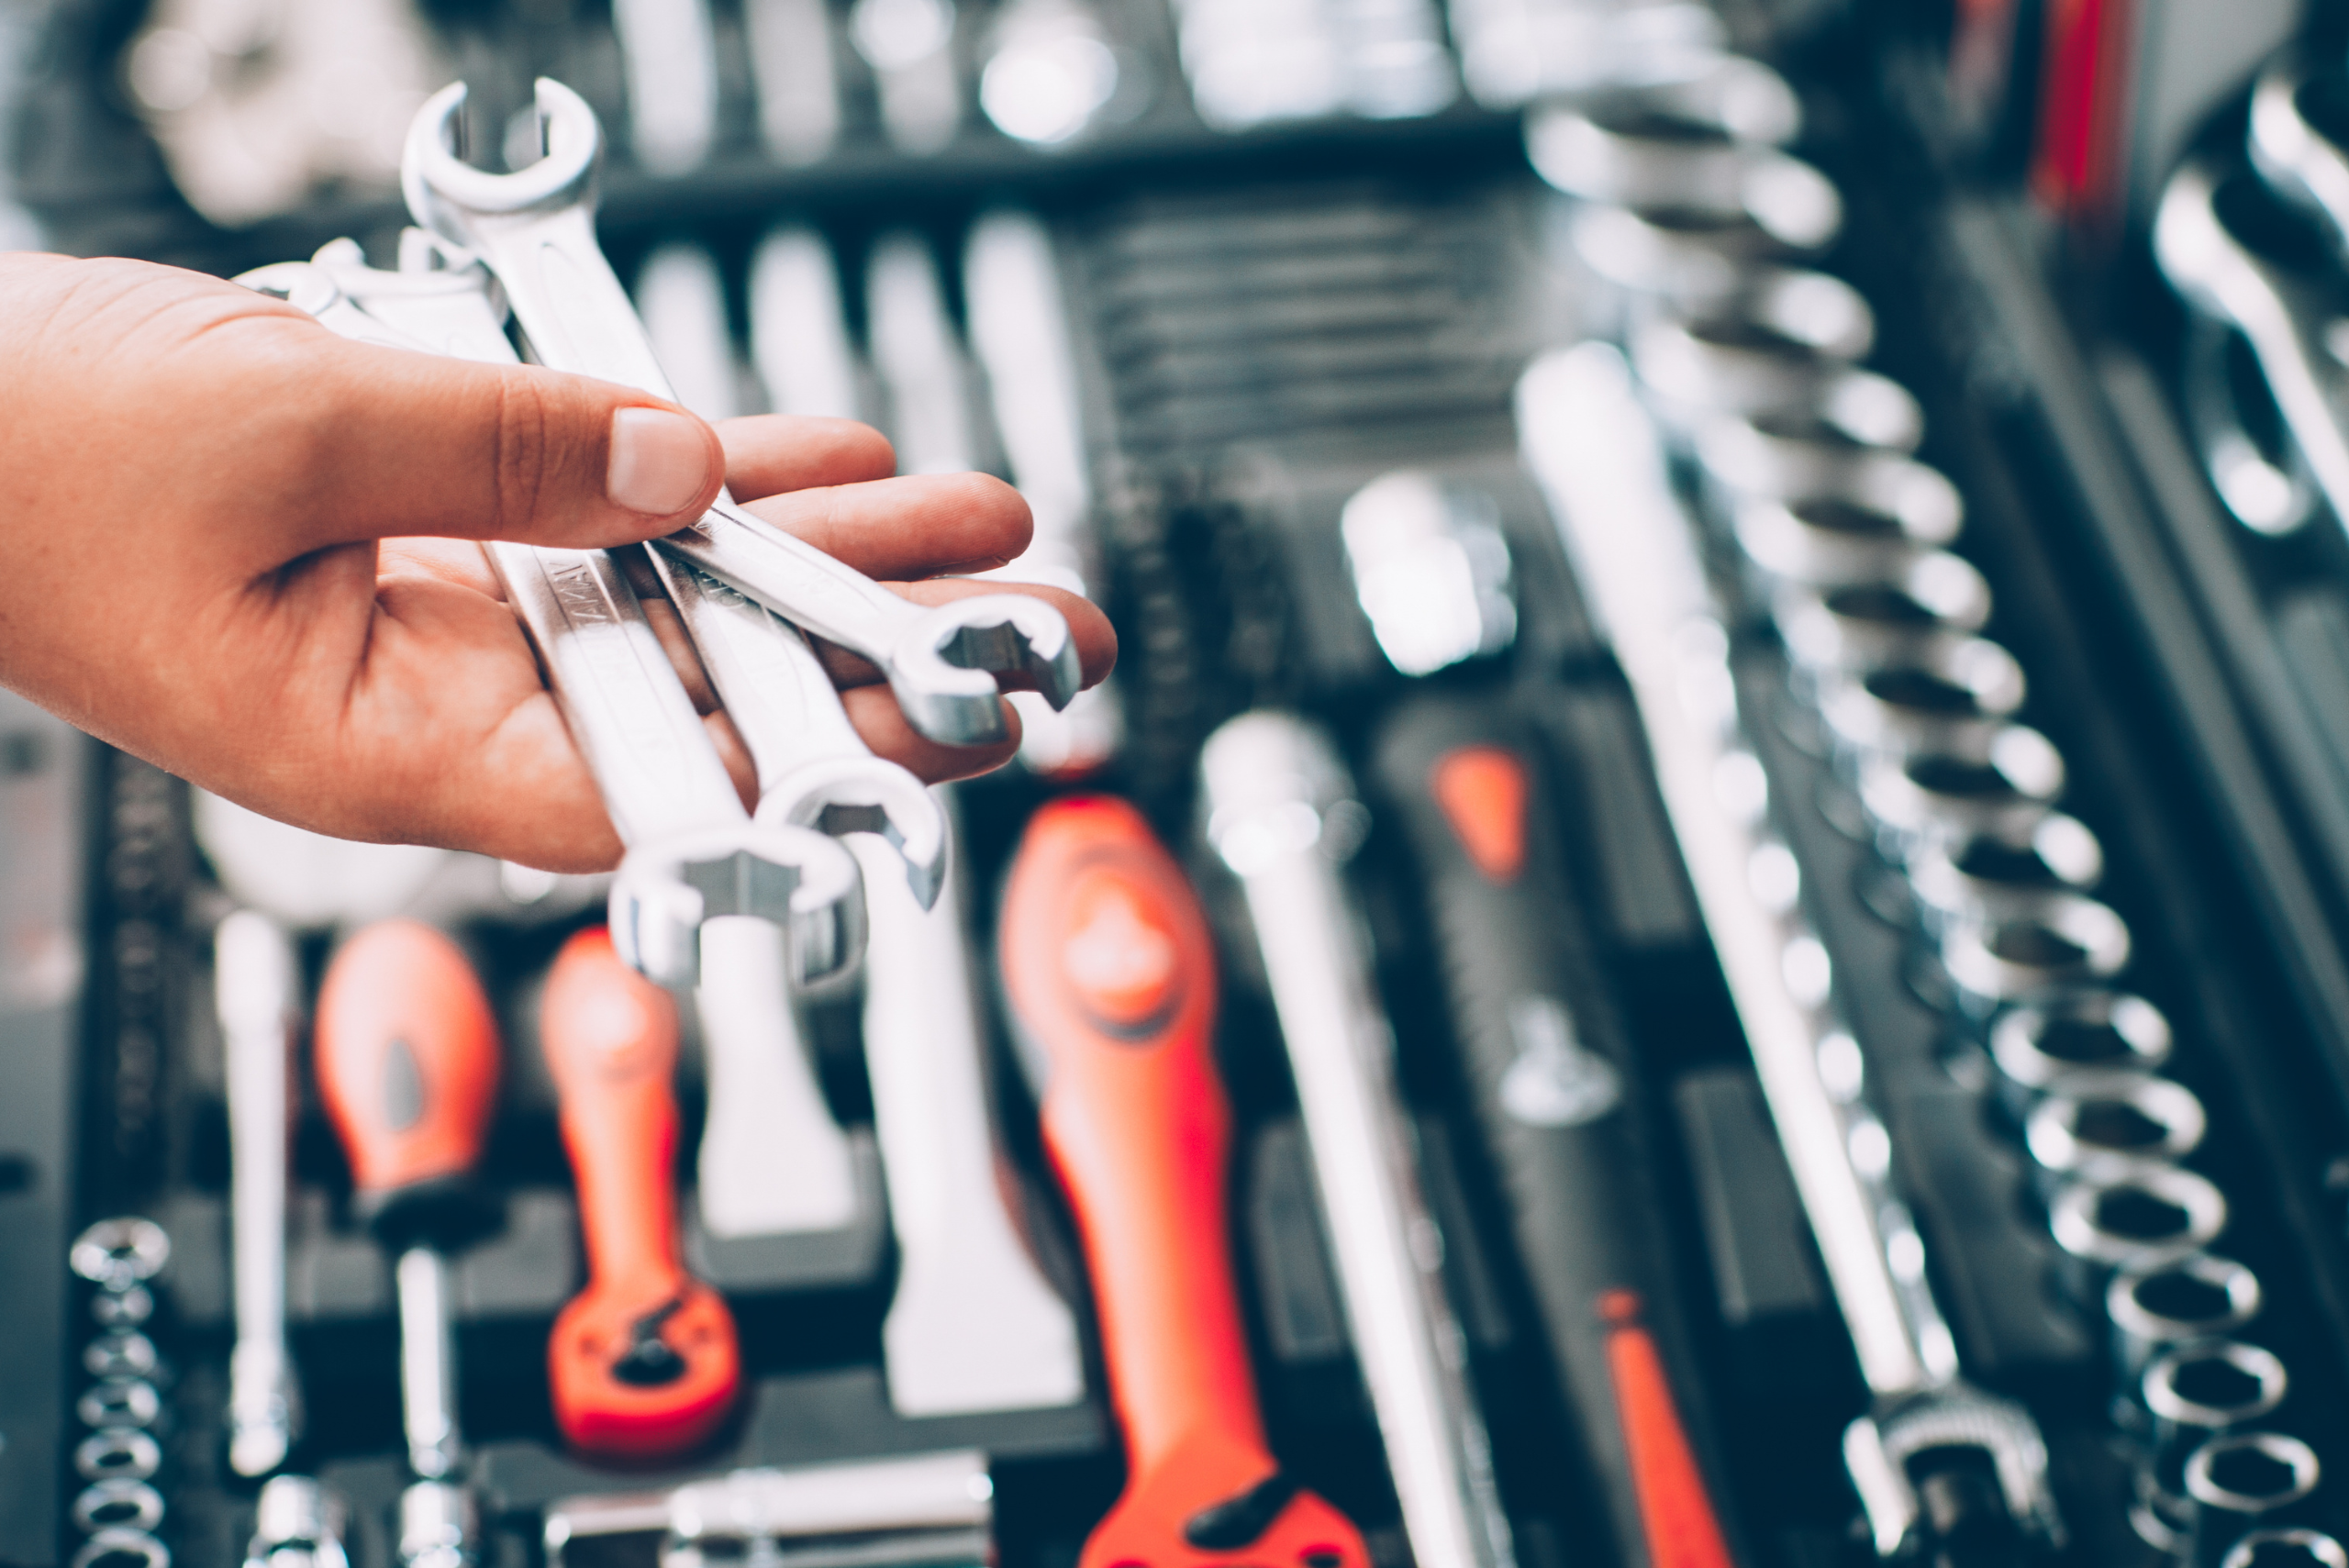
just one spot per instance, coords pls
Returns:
(643, 1362)
(406, 1053)
(1110, 973)
(611, 1039)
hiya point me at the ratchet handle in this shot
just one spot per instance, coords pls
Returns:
(610, 1038)
(407, 1060)
(1553, 1089)
(1109, 974)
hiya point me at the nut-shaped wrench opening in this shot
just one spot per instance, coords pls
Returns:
(838, 796)
(792, 877)
(1993, 873)
(2066, 940)
(2213, 1383)
(2128, 1214)
(1857, 526)
(438, 185)
(946, 659)
(1926, 597)
(1944, 696)
(2093, 1118)
(1926, 795)
(2251, 1474)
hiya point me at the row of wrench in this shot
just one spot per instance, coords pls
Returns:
(1750, 365)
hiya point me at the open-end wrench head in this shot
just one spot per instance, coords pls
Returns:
(441, 188)
(865, 795)
(792, 876)
(946, 657)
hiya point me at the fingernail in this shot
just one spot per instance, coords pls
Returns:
(660, 462)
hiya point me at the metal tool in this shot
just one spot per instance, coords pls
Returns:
(2124, 1213)
(2001, 957)
(2290, 325)
(297, 1523)
(1019, 333)
(1860, 527)
(642, 1363)
(693, 852)
(1431, 568)
(2095, 1118)
(681, 300)
(1927, 598)
(2044, 1041)
(791, 63)
(2176, 1300)
(1109, 973)
(257, 991)
(975, 1325)
(1806, 449)
(2239, 1482)
(534, 230)
(933, 1510)
(407, 1065)
(1965, 874)
(1598, 456)
(668, 57)
(799, 332)
(772, 1161)
(1513, 53)
(1281, 815)
(2296, 139)
(1052, 75)
(914, 354)
(1556, 1093)
(908, 45)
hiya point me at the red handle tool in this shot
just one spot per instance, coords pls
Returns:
(406, 1051)
(643, 1361)
(1110, 974)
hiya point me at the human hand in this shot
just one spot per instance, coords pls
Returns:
(239, 547)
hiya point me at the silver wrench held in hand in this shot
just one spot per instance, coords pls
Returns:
(815, 771)
(692, 852)
(535, 229)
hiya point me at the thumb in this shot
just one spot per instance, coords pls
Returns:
(426, 444)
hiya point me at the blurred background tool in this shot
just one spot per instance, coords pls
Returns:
(1559, 1098)
(257, 986)
(406, 1055)
(298, 1524)
(1281, 815)
(671, 62)
(1109, 975)
(642, 1363)
(931, 1509)
(974, 1325)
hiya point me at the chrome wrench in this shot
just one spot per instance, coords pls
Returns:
(256, 991)
(1598, 456)
(534, 231)
(693, 851)
(2292, 331)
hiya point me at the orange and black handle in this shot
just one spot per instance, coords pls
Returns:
(1109, 974)
(1553, 1085)
(643, 1362)
(406, 1054)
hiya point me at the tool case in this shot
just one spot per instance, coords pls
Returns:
(1264, 321)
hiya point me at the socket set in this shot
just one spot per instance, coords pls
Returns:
(1699, 925)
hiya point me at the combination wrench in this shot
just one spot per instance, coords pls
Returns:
(693, 853)
(1597, 455)
(534, 231)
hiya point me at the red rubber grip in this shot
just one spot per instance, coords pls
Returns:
(643, 1362)
(406, 1053)
(1110, 973)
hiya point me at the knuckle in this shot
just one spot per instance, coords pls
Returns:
(522, 459)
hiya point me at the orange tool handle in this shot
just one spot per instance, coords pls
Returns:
(1110, 974)
(610, 1036)
(406, 1053)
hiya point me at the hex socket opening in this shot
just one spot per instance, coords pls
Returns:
(2214, 1384)
(2251, 1472)
(2037, 1045)
(2093, 1117)
(2132, 1212)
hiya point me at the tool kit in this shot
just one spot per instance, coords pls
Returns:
(1706, 921)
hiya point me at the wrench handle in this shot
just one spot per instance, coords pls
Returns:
(1551, 1083)
(782, 701)
(1110, 976)
(610, 1038)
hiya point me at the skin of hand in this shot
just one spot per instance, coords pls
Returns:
(243, 551)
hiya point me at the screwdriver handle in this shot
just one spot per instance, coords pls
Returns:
(406, 1057)
(610, 1038)
(1550, 1077)
(1110, 977)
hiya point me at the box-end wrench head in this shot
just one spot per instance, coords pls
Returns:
(815, 771)
(790, 876)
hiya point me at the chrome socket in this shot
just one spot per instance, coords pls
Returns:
(1919, 798)
(2177, 1300)
(2066, 940)
(1975, 875)
(1813, 448)
(1947, 695)
(1927, 594)
(2092, 1119)
(2037, 1045)
(1859, 530)
(2132, 1214)
(2211, 1385)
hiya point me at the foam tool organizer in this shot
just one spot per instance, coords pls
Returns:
(1703, 924)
